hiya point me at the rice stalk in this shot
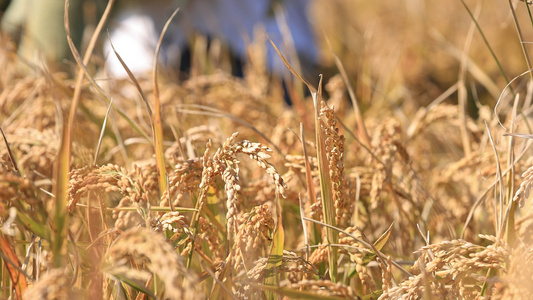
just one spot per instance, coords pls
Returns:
(314, 289)
(325, 180)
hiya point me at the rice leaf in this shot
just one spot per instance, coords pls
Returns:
(382, 240)
(18, 279)
(102, 133)
(372, 296)
(310, 187)
(214, 213)
(361, 127)
(220, 291)
(502, 72)
(156, 116)
(91, 79)
(276, 253)
(521, 36)
(59, 215)
(378, 245)
(328, 208)
(296, 294)
(153, 209)
(10, 153)
(138, 286)
(37, 228)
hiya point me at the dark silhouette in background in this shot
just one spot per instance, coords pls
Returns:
(37, 26)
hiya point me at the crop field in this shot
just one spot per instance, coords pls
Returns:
(401, 170)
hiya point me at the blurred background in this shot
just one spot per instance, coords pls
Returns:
(405, 52)
(400, 57)
(409, 52)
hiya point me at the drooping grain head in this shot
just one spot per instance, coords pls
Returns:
(144, 246)
(55, 284)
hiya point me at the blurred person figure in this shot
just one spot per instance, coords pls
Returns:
(236, 23)
(136, 25)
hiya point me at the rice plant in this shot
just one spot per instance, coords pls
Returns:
(403, 172)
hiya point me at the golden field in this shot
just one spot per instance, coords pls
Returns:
(402, 173)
